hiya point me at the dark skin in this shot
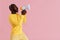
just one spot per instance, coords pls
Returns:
(14, 9)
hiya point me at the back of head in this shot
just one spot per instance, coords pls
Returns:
(13, 8)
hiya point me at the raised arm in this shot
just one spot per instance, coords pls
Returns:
(23, 13)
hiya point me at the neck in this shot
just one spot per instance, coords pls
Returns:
(13, 12)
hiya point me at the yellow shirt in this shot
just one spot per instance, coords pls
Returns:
(16, 21)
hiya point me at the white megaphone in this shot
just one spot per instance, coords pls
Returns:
(25, 7)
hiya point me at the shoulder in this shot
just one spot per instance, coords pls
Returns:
(12, 16)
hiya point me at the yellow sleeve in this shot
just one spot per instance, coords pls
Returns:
(13, 20)
(23, 17)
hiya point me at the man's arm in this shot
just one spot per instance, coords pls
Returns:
(23, 13)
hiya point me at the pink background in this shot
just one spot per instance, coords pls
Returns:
(43, 20)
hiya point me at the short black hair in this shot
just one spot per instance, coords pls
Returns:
(13, 8)
(23, 12)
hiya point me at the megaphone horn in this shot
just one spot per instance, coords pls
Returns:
(28, 7)
(25, 7)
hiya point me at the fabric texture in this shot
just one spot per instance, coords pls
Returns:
(16, 21)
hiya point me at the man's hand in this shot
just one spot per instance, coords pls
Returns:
(23, 12)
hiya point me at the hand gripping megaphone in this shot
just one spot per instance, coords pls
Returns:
(25, 7)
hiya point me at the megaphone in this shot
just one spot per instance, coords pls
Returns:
(25, 7)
